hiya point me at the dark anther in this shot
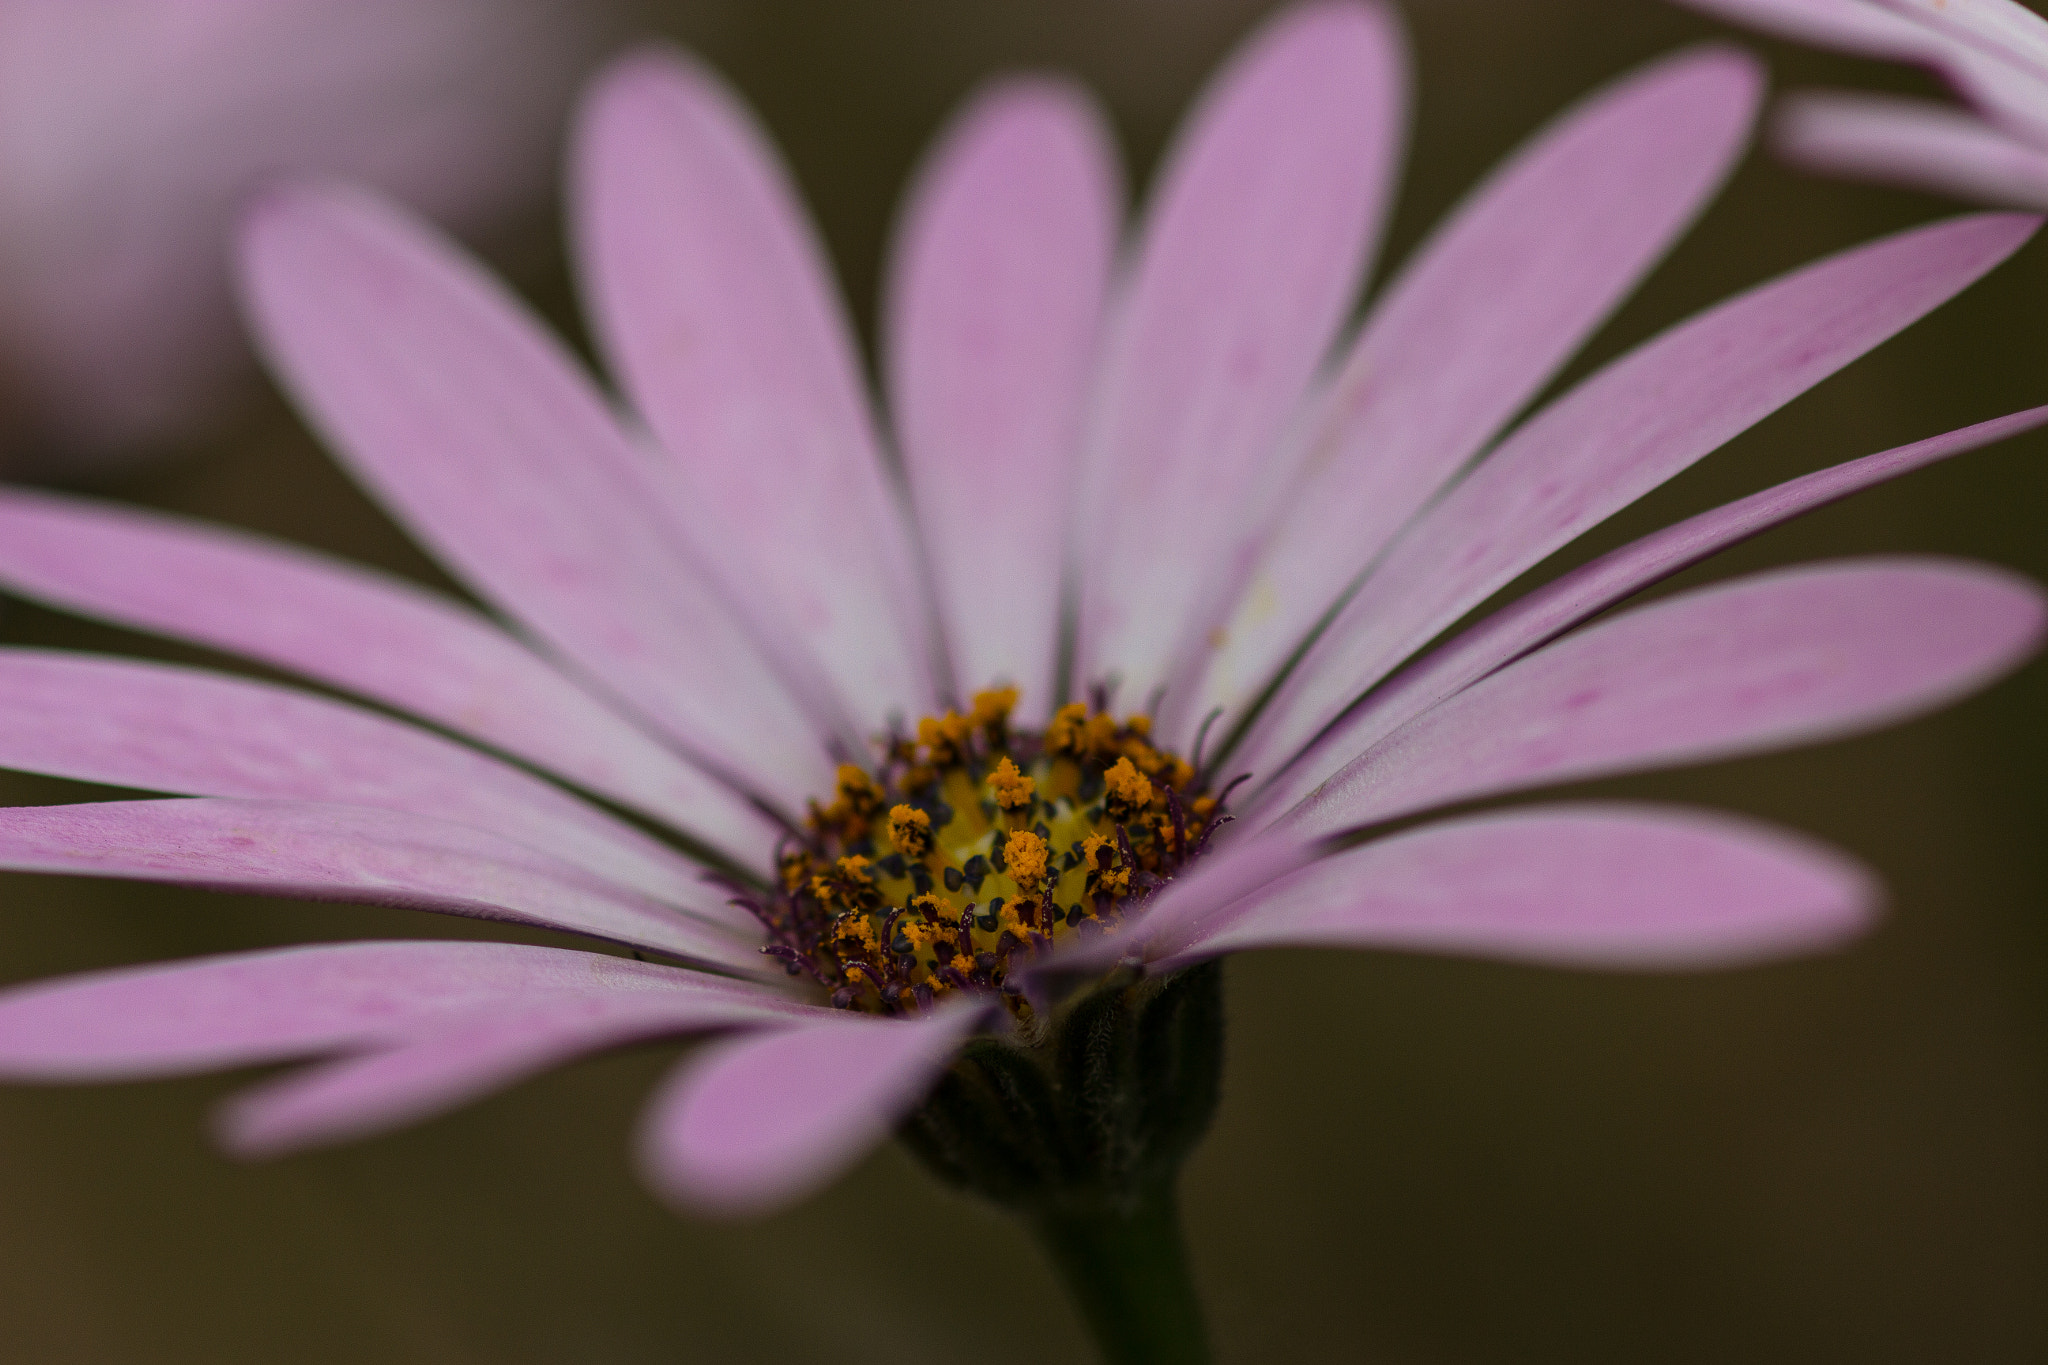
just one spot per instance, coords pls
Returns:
(842, 999)
(891, 994)
(892, 866)
(954, 879)
(1076, 913)
(1209, 832)
(943, 950)
(923, 993)
(1041, 831)
(976, 872)
(863, 847)
(1070, 859)
(995, 855)
(941, 814)
(922, 880)
(1091, 785)
(1223, 797)
(986, 920)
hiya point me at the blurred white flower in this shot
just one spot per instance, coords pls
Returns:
(131, 129)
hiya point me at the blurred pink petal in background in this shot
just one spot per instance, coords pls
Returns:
(131, 129)
(1994, 53)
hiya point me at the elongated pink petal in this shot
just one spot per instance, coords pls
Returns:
(1236, 868)
(1636, 423)
(713, 304)
(1915, 143)
(350, 853)
(1255, 241)
(1763, 662)
(995, 303)
(477, 431)
(2004, 83)
(456, 1061)
(758, 1122)
(1573, 886)
(1857, 26)
(169, 729)
(2001, 28)
(207, 1014)
(362, 632)
(359, 631)
(1542, 615)
(1501, 296)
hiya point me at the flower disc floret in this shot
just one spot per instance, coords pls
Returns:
(997, 842)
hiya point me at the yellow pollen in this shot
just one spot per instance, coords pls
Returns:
(1104, 875)
(992, 708)
(1045, 831)
(795, 869)
(1025, 856)
(1012, 789)
(944, 738)
(910, 829)
(1130, 791)
(856, 929)
(1063, 736)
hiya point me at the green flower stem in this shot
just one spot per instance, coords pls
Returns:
(1081, 1134)
(1125, 1266)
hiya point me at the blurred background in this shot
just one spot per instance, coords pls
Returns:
(1417, 1160)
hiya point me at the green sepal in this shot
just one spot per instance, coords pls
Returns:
(1114, 1096)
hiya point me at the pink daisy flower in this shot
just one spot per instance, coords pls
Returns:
(834, 667)
(1993, 52)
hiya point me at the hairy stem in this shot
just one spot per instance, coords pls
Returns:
(1124, 1263)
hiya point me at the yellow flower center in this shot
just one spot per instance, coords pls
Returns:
(995, 843)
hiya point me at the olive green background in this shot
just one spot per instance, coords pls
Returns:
(1417, 1160)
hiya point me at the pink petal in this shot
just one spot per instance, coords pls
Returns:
(459, 1060)
(1234, 869)
(208, 1014)
(2001, 28)
(995, 302)
(712, 301)
(477, 431)
(362, 632)
(1612, 439)
(1857, 26)
(350, 853)
(1761, 663)
(1505, 291)
(1258, 233)
(2003, 83)
(758, 1122)
(1573, 886)
(1914, 143)
(168, 729)
(1591, 588)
